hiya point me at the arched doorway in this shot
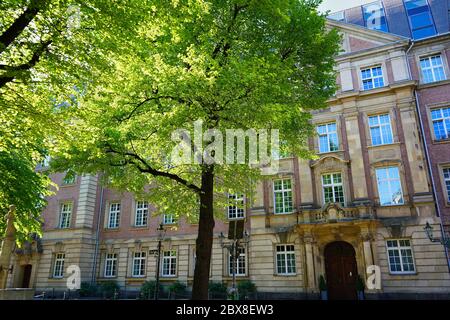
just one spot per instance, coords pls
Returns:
(341, 271)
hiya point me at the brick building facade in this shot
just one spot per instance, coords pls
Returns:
(382, 160)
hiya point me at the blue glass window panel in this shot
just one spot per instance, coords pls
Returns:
(376, 136)
(446, 112)
(321, 129)
(439, 130)
(411, 4)
(334, 144)
(378, 82)
(331, 127)
(424, 33)
(393, 173)
(384, 119)
(387, 135)
(373, 121)
(421, 20)
(427, 76)
(436, 61)
(436, 114)
(425, 63)
(439, 73)
(323, 142)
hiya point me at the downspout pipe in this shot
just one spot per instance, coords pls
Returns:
(97, 239)
(427, 154)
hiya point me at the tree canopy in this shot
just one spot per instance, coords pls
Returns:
(231, 64)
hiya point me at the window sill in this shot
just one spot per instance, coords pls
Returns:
(285, 275)
(111, 229)
(283, 213)
(329, 152)
(443, 141)
(383, 145)
(140, 227)
(135, 279)
(403, 273)
(423, 85)
(56, 279)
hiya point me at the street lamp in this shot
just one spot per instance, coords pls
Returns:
(429, 232)
(234, 255)
(161, 235)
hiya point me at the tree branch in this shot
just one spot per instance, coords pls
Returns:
(144, 167)
(22, 21)
(43, 48)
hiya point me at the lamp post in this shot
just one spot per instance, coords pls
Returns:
(429, 232)
(234, 255)
(161, 234)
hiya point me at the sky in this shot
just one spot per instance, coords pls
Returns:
(338, 5)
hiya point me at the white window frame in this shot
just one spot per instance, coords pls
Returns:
(139, 258)
(432, 68)
(399, 249)
(372, 77)
(114, 215)
(284, 197)
(141, 214)
(65, 215)
(287, 254)
(443, 119)
(446, 182)
(110, 265)
(241, 266)
(58, 267)
(333, 186)
(389, 180)
(233, 211)
(380, 126)
(169, 218)
(169, 259)
(327, 133)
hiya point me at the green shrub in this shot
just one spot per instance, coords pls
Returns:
(245, 288)
(148, 289)
(217, 287)
(322, 284)
(177, 287)
(87, 289)
(109, 289)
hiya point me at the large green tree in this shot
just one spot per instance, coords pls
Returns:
(233, 64)
(49, 52)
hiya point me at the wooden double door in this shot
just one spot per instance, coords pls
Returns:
(341, 271)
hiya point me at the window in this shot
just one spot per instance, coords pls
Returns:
(110, 265)
(69, 178)
(169, 261)
(141, 213)
(58, 269)
(432, 69)
(169, 218)
(282, 190)
(372, 78)
(114, 216)
(447, 182)
(441, 123)
(420, 18)
(65, 215)
(338, 16)
(380, 129)
(389, 186)
(286, 260)
(139, 264)
(400, 256)
(240, 267)
(328, 138)
(236, 208)
(374, 16)
(333, 190)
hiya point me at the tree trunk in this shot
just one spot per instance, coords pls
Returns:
(205, 235)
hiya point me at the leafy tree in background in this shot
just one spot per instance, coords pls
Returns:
(233, 64)
(49, 52)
